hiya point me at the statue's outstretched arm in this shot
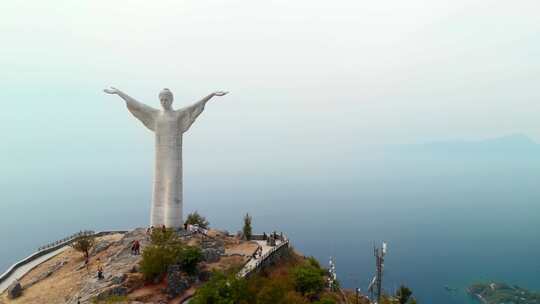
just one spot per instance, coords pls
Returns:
(144, 113)
(190, 113)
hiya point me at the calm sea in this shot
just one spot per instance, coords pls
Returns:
(449, 218)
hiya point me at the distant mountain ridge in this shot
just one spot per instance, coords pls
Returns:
(514, 143)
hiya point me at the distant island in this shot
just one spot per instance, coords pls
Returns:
(501, 293)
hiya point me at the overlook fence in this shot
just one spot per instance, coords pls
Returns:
(44, 250)
(67, 239)
(270, 253)
(265, 259)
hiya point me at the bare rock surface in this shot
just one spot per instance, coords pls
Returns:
(177, 282)
(50, 271)
(15, 290)
(101, 246)
(117, 262)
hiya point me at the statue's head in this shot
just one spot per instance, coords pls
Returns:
(166, 98)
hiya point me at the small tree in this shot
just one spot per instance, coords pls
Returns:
(308, 279)
(188, 257)
(83, 244)
(403, 294)
(247, 227)
(196, 219)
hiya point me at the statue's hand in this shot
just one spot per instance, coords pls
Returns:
(112, 90)
(220, 93)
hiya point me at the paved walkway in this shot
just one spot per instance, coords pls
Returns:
(21, 271)
(253, 262)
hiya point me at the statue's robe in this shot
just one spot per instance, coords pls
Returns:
(168, 127)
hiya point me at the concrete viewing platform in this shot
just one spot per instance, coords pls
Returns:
(267, 249)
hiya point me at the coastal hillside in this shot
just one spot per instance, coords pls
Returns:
(66, 279)
(167, 266)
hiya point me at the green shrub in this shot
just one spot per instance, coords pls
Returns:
(308, 279)
(295, 281)
(155, 260)
(313, 262)
(188, 257)
(167, 249)
(223, 289)
(196, 219)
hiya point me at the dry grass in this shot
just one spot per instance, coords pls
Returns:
(245, 248)
(62, 284)
(67, 281)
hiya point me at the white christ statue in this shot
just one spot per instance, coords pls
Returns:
(168, 125)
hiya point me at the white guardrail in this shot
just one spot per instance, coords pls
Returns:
(244, 272)
(53, 246)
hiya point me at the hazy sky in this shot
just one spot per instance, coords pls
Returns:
(311, 83)
(302, 74)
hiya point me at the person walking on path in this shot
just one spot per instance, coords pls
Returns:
(135, 248)
(99, 270)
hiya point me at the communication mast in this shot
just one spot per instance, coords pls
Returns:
(376, 282)
(332, 276)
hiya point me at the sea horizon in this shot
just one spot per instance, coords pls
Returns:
(445, 225)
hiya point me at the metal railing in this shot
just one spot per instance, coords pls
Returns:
(51, 247)
(246, 270)
(67, 239)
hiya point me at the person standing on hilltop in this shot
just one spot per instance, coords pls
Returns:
(135, 248)
(99, 270)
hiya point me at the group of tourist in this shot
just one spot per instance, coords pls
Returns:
(196, 229)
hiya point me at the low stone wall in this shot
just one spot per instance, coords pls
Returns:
(43, 252)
